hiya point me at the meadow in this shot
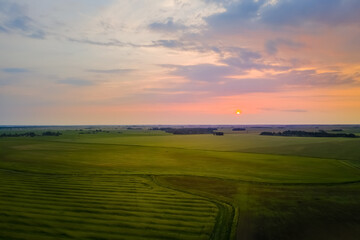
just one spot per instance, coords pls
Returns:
(121, 183)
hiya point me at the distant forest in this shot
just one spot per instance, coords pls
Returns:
(320, 133)
(30, 134)
(187, 130)
(239, 129)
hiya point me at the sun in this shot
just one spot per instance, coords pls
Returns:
(238, 112)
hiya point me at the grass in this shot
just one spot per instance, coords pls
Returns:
(90, 158)
(151, 185)
(278, 211)
(100, 207)
(337, 148)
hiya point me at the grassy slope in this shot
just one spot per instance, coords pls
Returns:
(89, 158)
(333, 148)
(338, 148)
(269, 210)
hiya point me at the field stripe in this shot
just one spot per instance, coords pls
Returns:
(68, 207)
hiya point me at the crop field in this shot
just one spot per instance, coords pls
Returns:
(100, 207)
(121, 183)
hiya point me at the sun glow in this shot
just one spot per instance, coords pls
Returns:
(238, 112)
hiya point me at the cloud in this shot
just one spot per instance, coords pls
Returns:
(5, 81)
(241, 61)
(244, 65)
(185, 45)
(168, 26)
(272, 46)
(111, 43)
(229, 87)
(12, 76)
(246, 59)
(246, 54)
(14, 70)
(157, 96)
(214, 80)
(2, 29)
(235, 15)
(327, 12)
(311, 78)
(75, 82)
(295, 110)
(251, 14)
(13, 18)
(168, 44)
(111, 71)
(117, 43)
(285, 110)
(202, 72)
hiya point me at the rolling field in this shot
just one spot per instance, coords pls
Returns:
(152, 185)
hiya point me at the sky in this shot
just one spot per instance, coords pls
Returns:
(179, 62)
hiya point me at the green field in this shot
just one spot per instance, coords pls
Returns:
(144, 184)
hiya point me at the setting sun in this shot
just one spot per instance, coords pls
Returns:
(238, 112)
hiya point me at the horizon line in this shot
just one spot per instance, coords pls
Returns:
(257, 124)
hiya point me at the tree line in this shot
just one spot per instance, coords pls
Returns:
(31, 134)
(187, 130)
(320, 133)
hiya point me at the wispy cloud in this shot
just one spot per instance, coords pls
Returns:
(167, 26)
(14, 70)
(240, 62)
(111, 71)
(168, 44)
(111, 43)
(202, 72)
(295, 110)
(75, 82)
(14, 19)
(217, 81)
(285, 110)
(272, 46)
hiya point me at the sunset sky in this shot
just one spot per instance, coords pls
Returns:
(179, 62)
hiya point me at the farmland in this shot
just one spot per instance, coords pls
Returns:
(121, 183)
